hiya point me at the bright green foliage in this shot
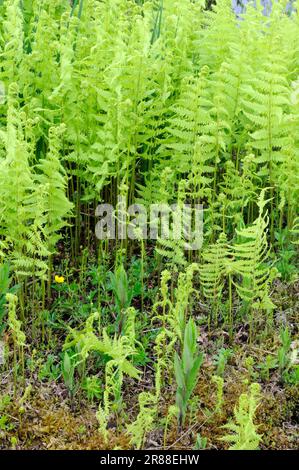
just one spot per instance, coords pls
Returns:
(251, 262)
(164, 343)
(201, 442)
(53, 182)
(244, 433)
(18, 335)
(68, 370)
(12, 42)
(103, 423)
(173, 317)
(5, 281)
(145, 419)
(186, 370)
(122, 292)
(190, 114)
(14, 324)
(117, 349)
(219, 382)
(93, 388)
(22, 213)
(214, 268)
(166, 338)
(183, 300)
(120, 287)
(265, 99)
(159, 102)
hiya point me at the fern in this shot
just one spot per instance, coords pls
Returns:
(14, 324)
(219, 382)
(287, 176)
(23, 212)
(244, 434)
(265, 102)
(184, 129)
(53, 180)
(213, 271)
(145, 420)
(117, 349)
(13, 39)
(251, 256)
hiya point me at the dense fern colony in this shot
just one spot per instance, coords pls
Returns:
(156, 101)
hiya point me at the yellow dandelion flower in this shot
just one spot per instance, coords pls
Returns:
(59, 279)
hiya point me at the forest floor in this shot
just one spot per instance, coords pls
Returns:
(48, 418)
